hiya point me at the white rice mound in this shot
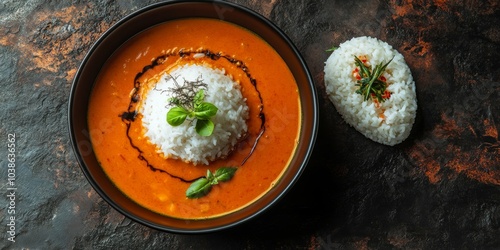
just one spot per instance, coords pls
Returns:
(399, 110)
(183, 142)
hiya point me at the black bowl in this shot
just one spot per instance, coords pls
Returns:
(152, 15)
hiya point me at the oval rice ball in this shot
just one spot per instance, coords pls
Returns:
(388, 122)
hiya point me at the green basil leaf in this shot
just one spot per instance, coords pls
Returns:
(225, 173)
(198, 98)
(198, 188)
(210, 176)
(204, 127)
(176, 116)
(205, 111)
(202, 186)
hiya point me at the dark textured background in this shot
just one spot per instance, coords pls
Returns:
(439, 189)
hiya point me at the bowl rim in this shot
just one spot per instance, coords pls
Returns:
(310, 87)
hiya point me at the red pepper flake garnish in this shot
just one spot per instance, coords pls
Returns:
(386, 95)
(364, 59)
(371, 82)
(376, 102)
(355, 74)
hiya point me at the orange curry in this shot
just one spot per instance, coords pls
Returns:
(153, 183)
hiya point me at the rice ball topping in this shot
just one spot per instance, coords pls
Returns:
(387, 118)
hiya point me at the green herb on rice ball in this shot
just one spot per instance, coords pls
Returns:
(189, 103)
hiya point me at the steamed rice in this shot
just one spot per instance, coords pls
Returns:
(183, 142)
(391, 122)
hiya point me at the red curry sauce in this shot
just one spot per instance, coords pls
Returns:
(161, 192)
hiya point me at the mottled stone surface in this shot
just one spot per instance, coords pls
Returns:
(439, 189)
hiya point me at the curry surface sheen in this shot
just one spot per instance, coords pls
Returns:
(160, 192)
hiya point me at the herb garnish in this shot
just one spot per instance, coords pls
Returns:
(371, 82)
(333, 48)
(192, 106)
(202, 186)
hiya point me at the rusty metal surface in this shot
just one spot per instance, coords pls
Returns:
(439, 189)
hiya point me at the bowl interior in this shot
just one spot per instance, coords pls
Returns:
(156, 14)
